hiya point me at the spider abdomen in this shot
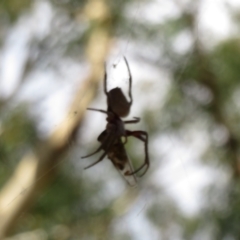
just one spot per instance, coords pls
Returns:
(118, 103)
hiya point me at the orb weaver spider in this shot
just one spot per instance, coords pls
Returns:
(111, 138)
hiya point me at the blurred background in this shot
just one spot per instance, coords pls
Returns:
(184, 57)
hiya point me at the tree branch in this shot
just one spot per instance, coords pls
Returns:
(38, 166)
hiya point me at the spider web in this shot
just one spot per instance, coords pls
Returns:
(125, 51)
(126, 48)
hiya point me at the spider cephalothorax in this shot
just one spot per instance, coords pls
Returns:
(111, 138)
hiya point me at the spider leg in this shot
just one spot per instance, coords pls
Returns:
(105, 80)
(103, 139)
(143, 136)
(137, 119)
(130, 81)
(98, 150)
(98, 110)
(99, 160)
(106, 144)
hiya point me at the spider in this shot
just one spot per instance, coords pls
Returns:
(111, 138)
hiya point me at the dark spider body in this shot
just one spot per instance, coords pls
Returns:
(118, 156)
(110, 138)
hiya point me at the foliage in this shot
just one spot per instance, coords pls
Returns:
(203, 94)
